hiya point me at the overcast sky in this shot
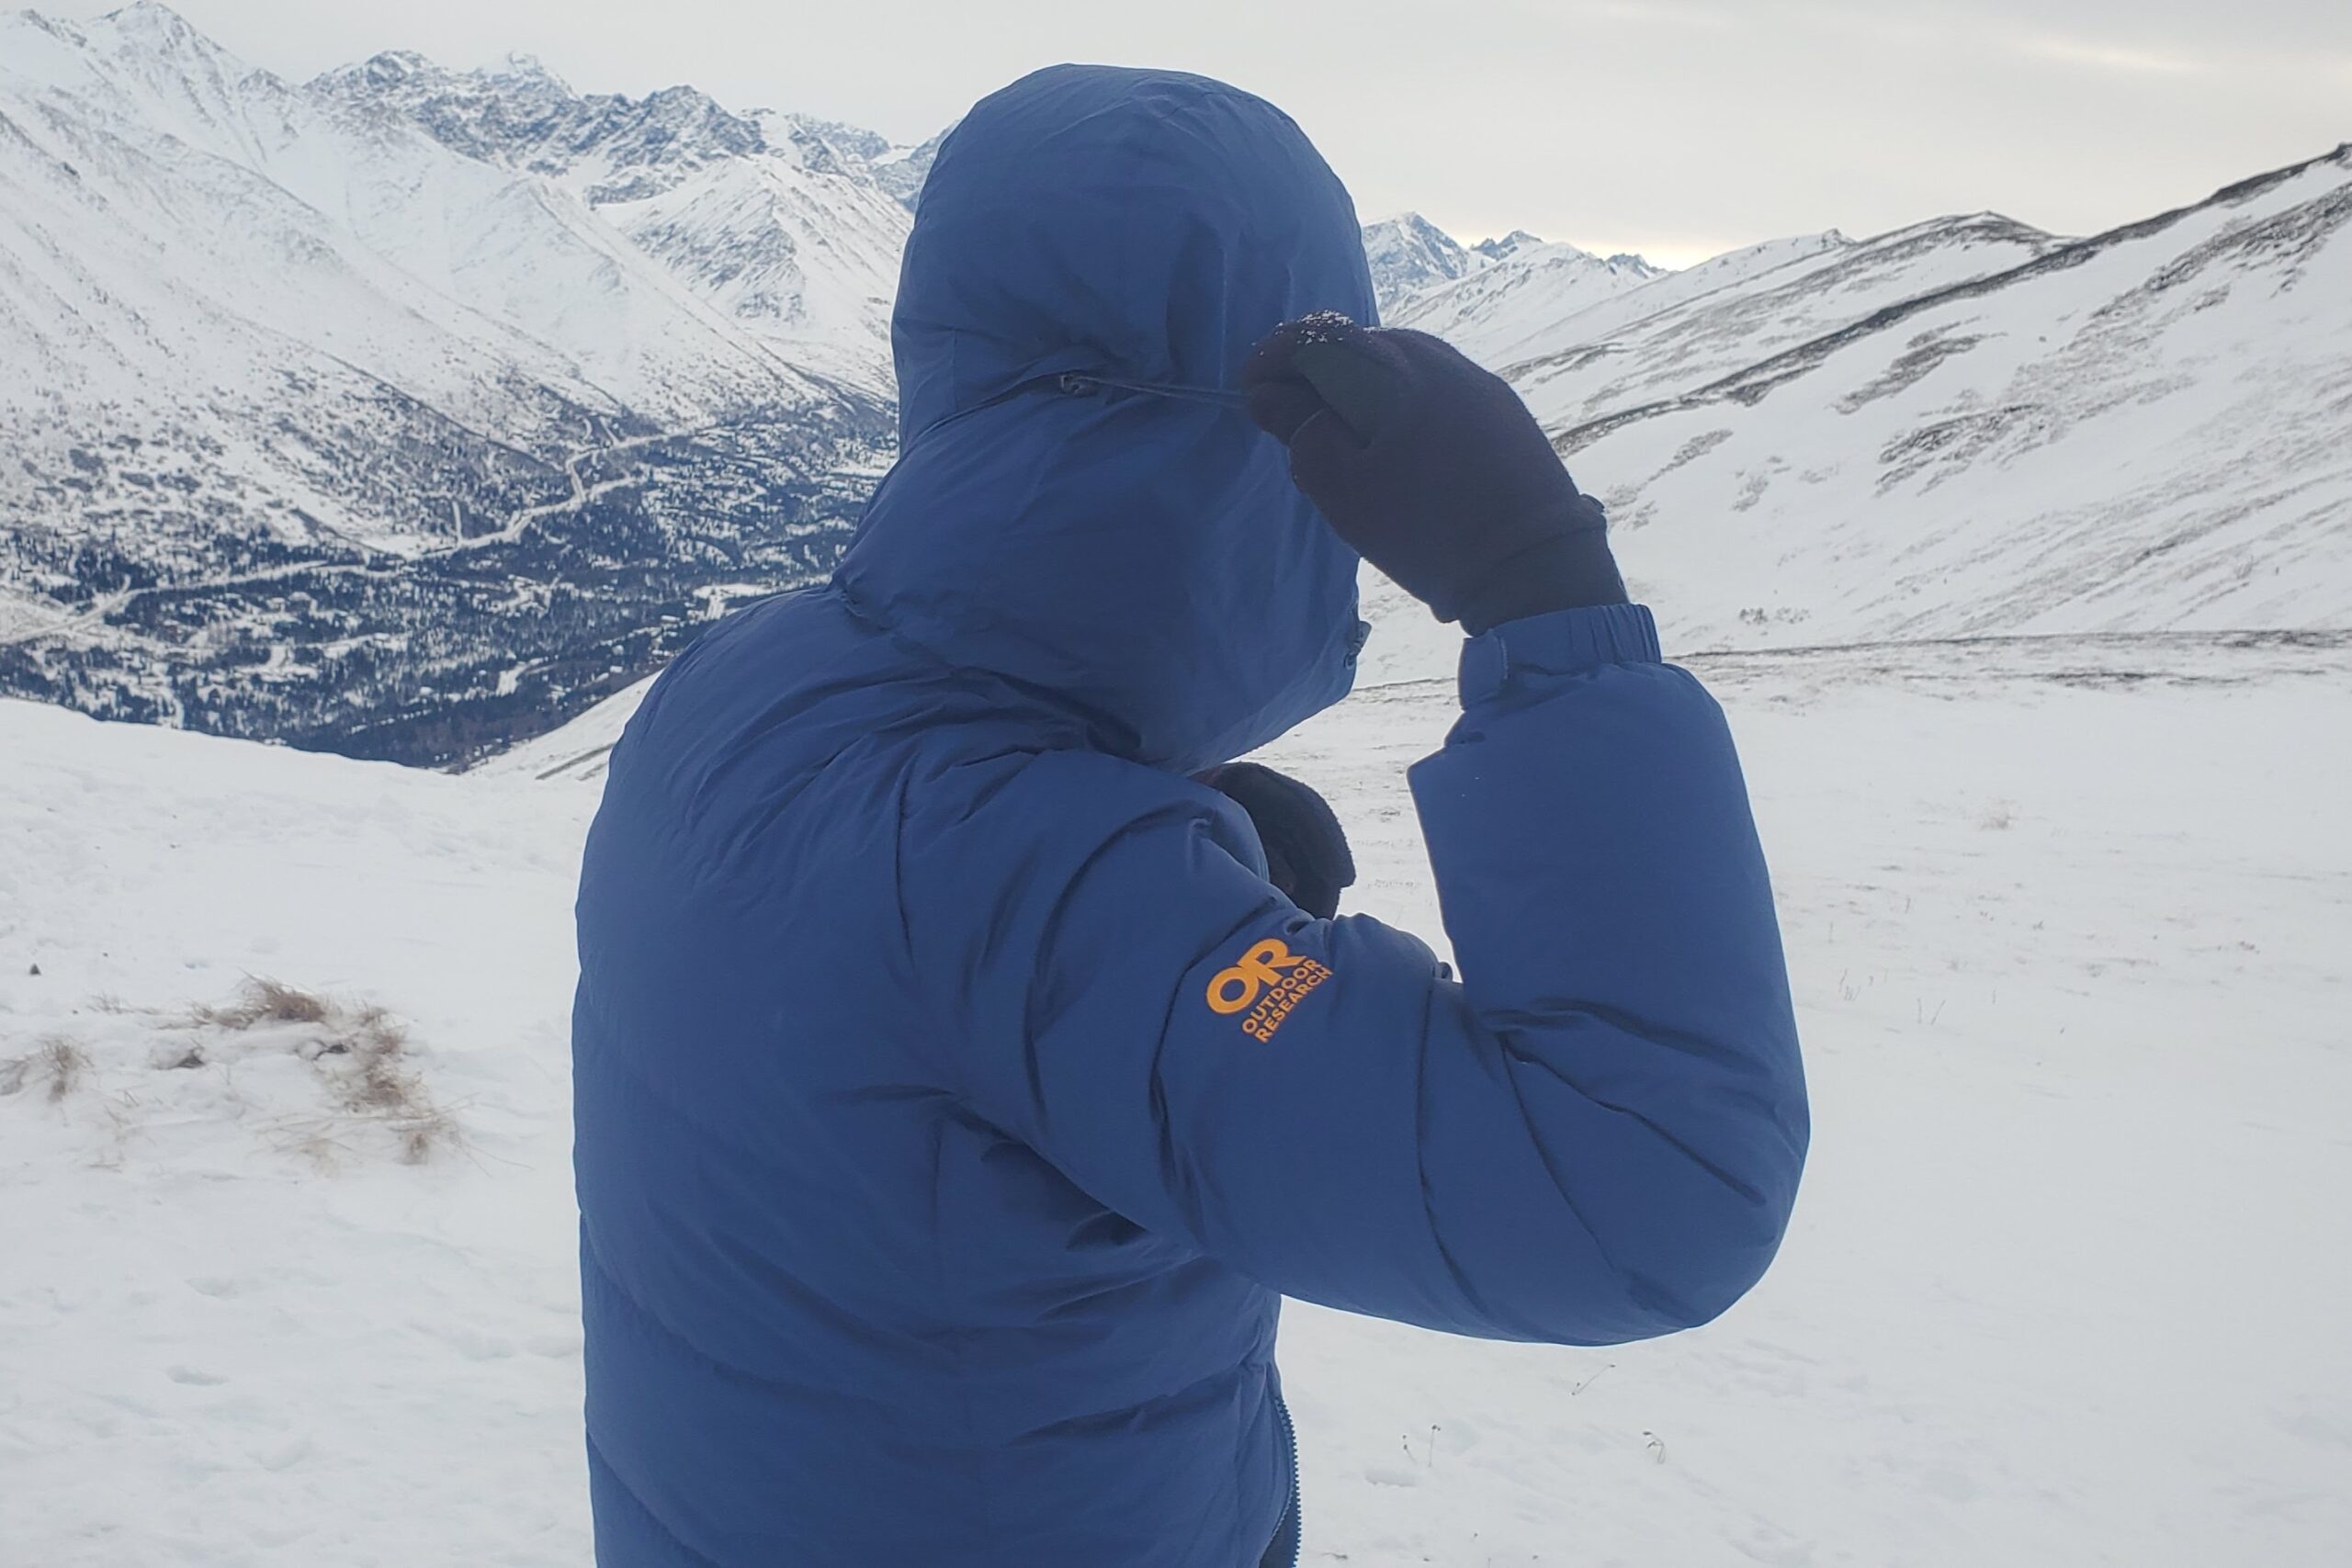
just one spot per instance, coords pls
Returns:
(1677, 128)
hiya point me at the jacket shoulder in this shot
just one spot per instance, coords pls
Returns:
(1035, 808)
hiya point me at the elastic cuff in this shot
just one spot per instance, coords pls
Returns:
(1570, 569)
(1561, 642)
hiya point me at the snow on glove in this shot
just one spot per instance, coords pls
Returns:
(1306, 851)
(1432, 468)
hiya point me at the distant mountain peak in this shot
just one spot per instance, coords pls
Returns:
(155, 20)
(1509, 244)
(392, 66)
(517, 114)
(524, 68)
(1410, 256)
(902, 170)
(156, 29)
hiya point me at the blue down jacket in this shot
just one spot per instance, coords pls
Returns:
(956, 1097)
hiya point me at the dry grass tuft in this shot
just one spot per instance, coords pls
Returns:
(361, 1056)
(378, 1081)
(374, 1075)
(263, 1000)
(55, 1061)
(346, 1071)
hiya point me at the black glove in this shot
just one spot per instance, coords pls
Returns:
(1432, 470)
(1306, 851)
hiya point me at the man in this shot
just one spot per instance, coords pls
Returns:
(957, 1096)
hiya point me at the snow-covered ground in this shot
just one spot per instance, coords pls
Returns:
(2071, 924)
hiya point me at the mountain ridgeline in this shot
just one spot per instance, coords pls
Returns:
(404, 412)
(409, 413)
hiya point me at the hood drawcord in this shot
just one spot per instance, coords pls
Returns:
(1087, 384)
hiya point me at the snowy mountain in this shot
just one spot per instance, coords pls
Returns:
(1411, 255)
(1518, 239)
(410, 412)
(1408, 253)
(777, 220)
(1968, 428)
(901, 170)
(1962, 428)
(407, 410)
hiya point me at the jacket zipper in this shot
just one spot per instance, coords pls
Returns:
(1290, 1521)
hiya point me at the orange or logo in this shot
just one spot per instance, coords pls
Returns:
(1268, 982)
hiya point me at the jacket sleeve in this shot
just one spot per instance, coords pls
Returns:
(1595, 1136)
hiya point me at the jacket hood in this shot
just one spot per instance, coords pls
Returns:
(1143, 559)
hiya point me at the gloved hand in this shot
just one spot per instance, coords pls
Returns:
(1306, 851)
(1432, 470)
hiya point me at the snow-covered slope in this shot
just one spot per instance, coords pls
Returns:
(298, 372)
(1965, 427)
(1570, 338)
(1969, 429)
(776, 219)
(1520, 278)
(269, 229)
(2066, 923)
